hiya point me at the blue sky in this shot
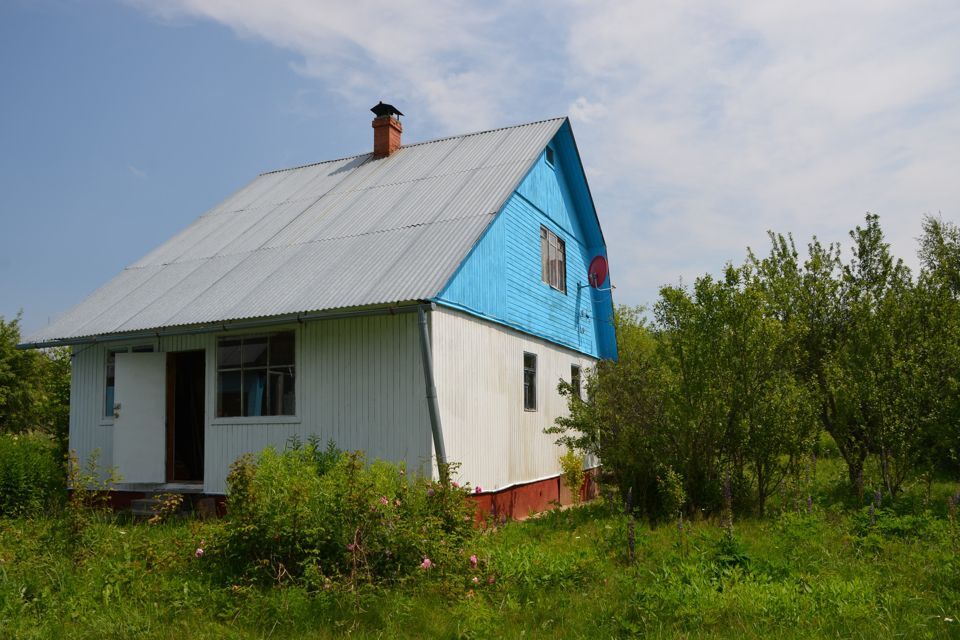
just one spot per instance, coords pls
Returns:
(701, 125)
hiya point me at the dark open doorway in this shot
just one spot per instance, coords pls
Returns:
(185, 401)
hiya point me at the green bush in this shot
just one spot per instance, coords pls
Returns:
(307, 514)
(31, 476)
(571, 464)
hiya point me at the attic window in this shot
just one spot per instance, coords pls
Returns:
(549, 156)
(553, 260)
(256, 375)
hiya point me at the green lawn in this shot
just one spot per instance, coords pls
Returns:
(834, 572)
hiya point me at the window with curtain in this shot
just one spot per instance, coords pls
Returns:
(256, 375)
(553, 260)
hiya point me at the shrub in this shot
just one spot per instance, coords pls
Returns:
(31, 477)
(571, 464)
(671, 491)
(305, 513)
(89, 496)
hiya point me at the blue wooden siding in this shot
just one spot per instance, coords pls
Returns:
(501, 278)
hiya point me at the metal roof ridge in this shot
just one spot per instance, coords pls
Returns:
(415, 144)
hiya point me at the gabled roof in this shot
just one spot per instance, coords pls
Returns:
(344, 233)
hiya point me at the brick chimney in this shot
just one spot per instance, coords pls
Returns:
(386, 130)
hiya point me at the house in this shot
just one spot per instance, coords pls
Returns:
(419, 302)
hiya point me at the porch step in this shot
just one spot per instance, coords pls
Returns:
(145, 507)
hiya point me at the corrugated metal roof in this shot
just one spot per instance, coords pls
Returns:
(343, 233)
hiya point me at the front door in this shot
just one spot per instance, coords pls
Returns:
(139, 424)
(185, 416)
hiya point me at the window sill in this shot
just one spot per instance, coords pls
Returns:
(256, 420)
(106, 422)
(553, 288)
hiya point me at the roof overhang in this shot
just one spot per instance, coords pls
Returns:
(235, 325)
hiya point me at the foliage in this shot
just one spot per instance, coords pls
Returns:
(88, 501)
(31, 476)
(34, 386)
(309, 514)
(170, 504)
(733, 378)
(670, 488)
(621, 421)
(794, 574)
(571, 468)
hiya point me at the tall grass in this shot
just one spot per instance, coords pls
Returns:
(830, 570)
(31, 474)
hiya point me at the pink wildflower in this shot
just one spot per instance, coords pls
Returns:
(455, 485)
(396, 502)
(490, 580)
(199, 552)
(351, 546)
(476, 580)
(473, 561)
(478, 490)
(426, 564)
(430, 492)
(384, 501)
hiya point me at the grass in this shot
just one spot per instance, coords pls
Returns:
(833, 572)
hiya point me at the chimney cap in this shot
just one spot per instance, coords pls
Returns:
(381, 110)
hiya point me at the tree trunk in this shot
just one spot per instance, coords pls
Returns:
(855, 472)
(761, 491)
(885, 469)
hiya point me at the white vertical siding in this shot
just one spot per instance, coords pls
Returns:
(359, 383)
(88, 430)
(479, 375)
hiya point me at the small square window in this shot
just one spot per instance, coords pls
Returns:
(256, 376)
(529, 382)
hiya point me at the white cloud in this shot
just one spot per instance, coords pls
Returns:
(140, 173)
(702, 124)
(583, 110)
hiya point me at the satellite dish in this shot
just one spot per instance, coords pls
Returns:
(597, 273)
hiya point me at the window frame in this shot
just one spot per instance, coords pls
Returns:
(106, 418)
(532, 385)
(576, 374)
(281, 418)
(551, 244)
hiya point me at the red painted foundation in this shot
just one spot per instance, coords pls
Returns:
(522, 500)
(199, 502)
(513, 503)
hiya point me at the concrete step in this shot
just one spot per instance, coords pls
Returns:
(145, 507)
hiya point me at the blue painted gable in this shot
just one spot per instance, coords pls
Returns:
(501, 278)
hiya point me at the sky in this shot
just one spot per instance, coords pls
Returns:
(701, 125)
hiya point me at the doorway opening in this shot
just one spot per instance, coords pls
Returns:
(186, 378)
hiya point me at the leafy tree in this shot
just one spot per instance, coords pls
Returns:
(34, 386)
(619, 419)
(735, 376)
